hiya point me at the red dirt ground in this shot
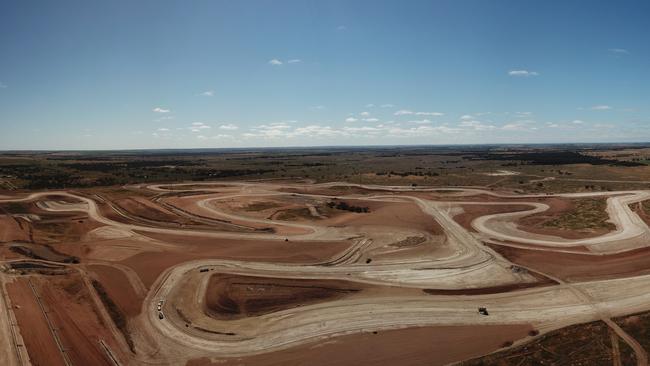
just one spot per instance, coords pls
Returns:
(406, 215)
(149, 265)
(72, 311)
(471, 212)
(533, 223)
(230, 296)
(40, 345)
(643, 213)
(13, 229)
(335, 191)
(140, 206)
(404, 347)
(558, 207)
(580, 267)
(189, 204)
(118, 288)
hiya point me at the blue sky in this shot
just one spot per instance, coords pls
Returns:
(182, 74)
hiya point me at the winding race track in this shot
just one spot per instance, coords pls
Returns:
(390, 276)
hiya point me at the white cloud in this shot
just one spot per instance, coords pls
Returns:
(229, 127)
(208, 93)
(524, 73)
(476, 125)
(370, 105)
(619, 51)
(524, 125)
(161, 110)
(371, 119)
(406, 112)
(351, 119)
(163, 129)
(577, 122)
(163, 118)
(198, 126)
(364, 114)
(362, 129)
(421, 131)
(271, 130)
(429, 114)
(277, 62)
(600, 108)
(466, 117)
(318, 107)
(421, 122)
(314, 131)
(215, 137)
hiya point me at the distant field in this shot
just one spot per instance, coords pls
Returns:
(530, 169)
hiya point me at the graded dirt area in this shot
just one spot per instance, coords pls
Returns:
(407, 347)
(149, 265)
(41, 346)
(472, 211)
(119, 288)
(580, 267)
(275, 273)
(43, 303)
(78, 324)
(12, 229)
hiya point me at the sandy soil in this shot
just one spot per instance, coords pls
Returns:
(404, 347)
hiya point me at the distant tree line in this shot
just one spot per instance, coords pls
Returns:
(406, 174)
(552, 158)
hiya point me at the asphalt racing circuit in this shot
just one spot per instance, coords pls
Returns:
(409, 257)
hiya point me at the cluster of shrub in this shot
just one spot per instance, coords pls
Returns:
(117, 175)
(341, 205)
(551, 158)
(115, 313)
(406, 174)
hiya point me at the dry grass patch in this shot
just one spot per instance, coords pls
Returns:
(261, 206)
(587, 214)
